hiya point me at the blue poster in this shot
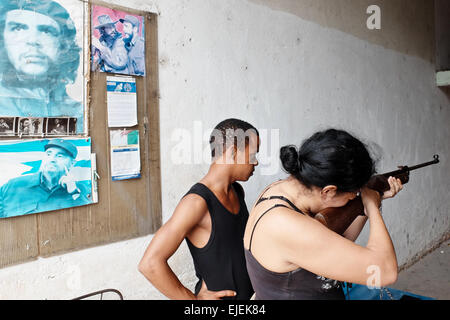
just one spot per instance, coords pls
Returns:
(41, 60)
(44, 175)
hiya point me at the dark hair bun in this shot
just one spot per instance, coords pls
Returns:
(289, 159)
(330, 157)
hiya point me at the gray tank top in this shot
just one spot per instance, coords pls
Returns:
(298, 284)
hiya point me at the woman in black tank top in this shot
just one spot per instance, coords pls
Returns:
(211, 217)
(289, 254)
(221, 262)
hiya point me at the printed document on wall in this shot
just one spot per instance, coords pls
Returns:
(125, 154)
(121, 99)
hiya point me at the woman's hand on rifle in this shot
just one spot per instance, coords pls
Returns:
(371, 200)
(396, 186)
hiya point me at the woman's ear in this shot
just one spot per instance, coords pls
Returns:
(328, 192)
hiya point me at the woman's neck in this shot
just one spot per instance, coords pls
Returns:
(307, 200)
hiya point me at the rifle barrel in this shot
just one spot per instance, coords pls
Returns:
(436, 160)
(407, 169)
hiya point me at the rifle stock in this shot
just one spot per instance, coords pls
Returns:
(339, 219)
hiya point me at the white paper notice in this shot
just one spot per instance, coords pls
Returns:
(125, 154)
(121, 99)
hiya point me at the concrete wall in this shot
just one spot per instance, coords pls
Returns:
(289, 67)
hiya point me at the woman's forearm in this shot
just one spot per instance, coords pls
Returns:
(380, 243)
(164, 279)
(354, 230)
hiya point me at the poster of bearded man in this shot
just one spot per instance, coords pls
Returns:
(42, 57)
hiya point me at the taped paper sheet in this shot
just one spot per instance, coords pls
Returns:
(125, 154)
(121, 100)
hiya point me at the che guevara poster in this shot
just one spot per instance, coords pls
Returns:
(42, 59)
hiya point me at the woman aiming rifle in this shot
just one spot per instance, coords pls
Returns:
(289, 254)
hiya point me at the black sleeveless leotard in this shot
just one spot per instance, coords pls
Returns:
(221, 262)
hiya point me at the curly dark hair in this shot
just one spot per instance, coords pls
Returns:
(230, 131)
(69, 58)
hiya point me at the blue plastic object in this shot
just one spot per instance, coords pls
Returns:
(360, 292)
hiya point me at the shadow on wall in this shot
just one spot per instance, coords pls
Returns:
(407, 26)
(446, 91)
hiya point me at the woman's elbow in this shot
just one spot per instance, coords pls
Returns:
(390, 277)
(148, 267)
(383, 272)
(390, 274)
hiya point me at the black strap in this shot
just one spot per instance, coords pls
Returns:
(280, 198)
(275, 206)
(251, 236)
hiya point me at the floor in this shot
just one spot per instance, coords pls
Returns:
(430, 276)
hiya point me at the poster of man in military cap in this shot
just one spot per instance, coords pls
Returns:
(117, 42)
(44, 175)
